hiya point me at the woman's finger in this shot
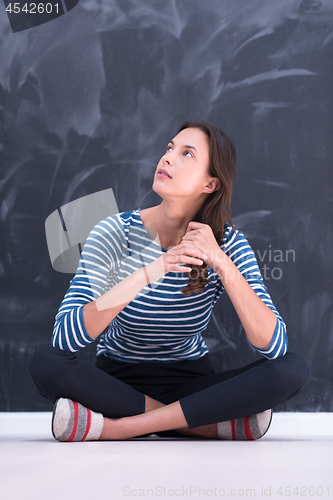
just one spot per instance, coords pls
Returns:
(184, 258)
(192, 225)
(187, 248)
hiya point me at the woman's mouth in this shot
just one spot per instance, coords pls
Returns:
(163, 173)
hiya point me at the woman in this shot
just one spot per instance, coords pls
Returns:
(146, 284)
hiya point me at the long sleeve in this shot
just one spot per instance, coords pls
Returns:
(94, 276)
(240, 252)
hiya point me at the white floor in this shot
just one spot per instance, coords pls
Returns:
(294, 459)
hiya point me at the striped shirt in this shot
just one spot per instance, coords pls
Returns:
(160, 324)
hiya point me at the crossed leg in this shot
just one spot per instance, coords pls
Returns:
(157, 417)
(226, 396)
(58, 373)
(193, 409)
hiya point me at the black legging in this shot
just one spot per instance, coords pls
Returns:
(205, 397)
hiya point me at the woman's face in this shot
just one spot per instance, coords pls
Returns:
(186, 163)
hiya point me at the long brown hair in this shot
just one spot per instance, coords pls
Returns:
(216, 210)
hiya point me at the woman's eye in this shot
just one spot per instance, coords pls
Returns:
(169, 148)
(186, 153)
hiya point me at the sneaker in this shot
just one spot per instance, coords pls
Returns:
(72, 421)
(245, 428)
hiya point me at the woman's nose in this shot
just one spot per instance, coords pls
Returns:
(168, 158)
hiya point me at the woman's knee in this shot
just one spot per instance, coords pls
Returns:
(44, 362)
(300, 369)
(294, 372)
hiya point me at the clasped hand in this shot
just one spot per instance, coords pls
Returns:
(198, 245)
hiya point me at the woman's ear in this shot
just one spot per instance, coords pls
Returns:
(213, 185)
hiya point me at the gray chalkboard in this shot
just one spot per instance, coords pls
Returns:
(89, 102)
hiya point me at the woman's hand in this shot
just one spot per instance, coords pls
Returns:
(186, 252)
(202, 237)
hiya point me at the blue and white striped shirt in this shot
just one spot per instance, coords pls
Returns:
(160, 324)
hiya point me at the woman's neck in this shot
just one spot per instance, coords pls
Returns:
(169, 222)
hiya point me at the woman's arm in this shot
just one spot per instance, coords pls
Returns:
(237, 267)
(258, 320)
(96, 269)
(87, 309)
(99, 313)
(263, 325)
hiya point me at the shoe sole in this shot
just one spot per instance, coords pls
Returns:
(53, 415)
(269, 424)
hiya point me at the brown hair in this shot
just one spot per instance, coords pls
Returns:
(216, 210)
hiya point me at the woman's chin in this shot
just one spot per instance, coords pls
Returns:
(158, 189)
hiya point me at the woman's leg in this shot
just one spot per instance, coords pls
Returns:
(61, 374)
(259, 388)
(264, 385)
(58, 373)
